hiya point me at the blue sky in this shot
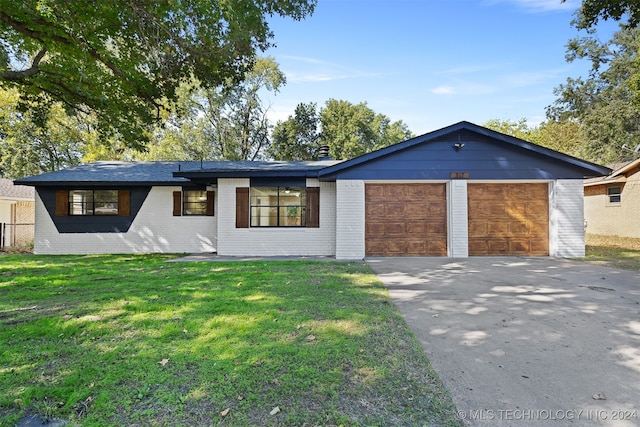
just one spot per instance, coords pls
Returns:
(429, 63)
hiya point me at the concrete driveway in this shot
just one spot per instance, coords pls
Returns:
(525, 341)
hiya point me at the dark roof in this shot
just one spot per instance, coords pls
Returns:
(106, 173)
(588, 167)
(250, 169)
(8, 190)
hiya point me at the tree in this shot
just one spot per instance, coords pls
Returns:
(565, 137)
(605, 104)
(298, 137)
(35, 142)
(228, 122)
(123, 59)
(349, 130)
(518, 129)
(592, 11)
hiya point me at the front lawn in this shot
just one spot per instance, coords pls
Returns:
(613, 251)
(134, 340)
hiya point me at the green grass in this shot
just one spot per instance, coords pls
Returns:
(613, 251)
(134, 340)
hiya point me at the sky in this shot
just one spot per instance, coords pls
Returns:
(429, 63)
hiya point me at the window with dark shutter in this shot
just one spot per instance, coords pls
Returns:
(242, 207)
(313, 207)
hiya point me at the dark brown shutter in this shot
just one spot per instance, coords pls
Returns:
(242, 207)
(210, 200)
(62, 203)
(124, 202)
(177, 203)
(313, 207)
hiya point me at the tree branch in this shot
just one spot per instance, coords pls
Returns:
(18, 76)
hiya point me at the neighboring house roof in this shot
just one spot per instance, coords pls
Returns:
(10, 191)
(618, 175)
(589, 169)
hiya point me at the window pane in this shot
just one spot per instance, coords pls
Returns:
(614, 194)
(264, 216)
(105, 202)
(195, 202)
(81, 202)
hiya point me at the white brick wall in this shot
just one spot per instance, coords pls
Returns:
(350, 219)
(256, 241)
(458, 218)
(566, 218)
(154, 229)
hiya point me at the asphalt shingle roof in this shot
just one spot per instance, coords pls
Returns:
(8, 190)
(167, 173)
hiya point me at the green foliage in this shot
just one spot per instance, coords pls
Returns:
(228, 122)
(123, 60)
(37, 140)
(606, 104)
(565, 137)
(349, 130)
(592, 11)
(298, 137)
(133, 339)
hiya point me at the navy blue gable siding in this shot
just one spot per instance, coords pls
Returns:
(481, 157)
(97, 223)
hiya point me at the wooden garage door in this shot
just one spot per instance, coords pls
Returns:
(405, 220)
(508, 219)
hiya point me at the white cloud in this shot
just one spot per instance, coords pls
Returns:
(300, 69)
(443, 90)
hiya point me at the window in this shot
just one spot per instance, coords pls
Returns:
(615, 194)
(93, 202)
(194, 202)
(278, 206)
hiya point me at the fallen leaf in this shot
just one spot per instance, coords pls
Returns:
(163, 362)
(185, 331)
(240, 397)
(274, 410)
(275, 381)
(225, 412)
(311, 337)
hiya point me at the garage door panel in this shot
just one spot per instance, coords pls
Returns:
(519, 246)
(375, 228)
(394, 210)
(416, 227)
(395, 229)
(508, 219)
(478, 229)
(498, 229)
(375, 191)
(374, 210)
(414, 218)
